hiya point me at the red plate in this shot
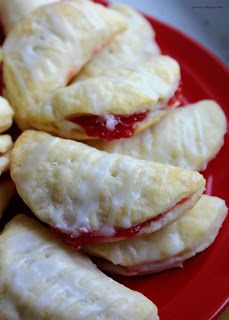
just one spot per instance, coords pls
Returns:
(199, 290)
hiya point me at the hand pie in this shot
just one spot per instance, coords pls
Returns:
(131, 47)
(11, 11)
(168, 247)
(187, 137)
(41, 279)
(39, 63)
(7, 191)
(6, 115)
(90, 196)
(6, 144)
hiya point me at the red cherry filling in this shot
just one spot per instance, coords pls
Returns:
(110, 127)
(85, 238)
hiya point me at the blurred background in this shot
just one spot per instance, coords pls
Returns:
(205, 20)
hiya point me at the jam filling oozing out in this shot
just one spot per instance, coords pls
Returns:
(85, 238)
(110, 127)
(113, 127)
(177, 99)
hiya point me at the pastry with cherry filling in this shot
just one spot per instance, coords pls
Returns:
(89, 196)
(187, 137)
(41, 279)
(166, 248)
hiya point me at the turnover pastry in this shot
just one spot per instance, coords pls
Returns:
(187, 137)
(6, 115)
(168, 247)
(92, 196)
(6, 145)
(40, 60)
(7, 191)
(11, 11)
(131, 47)
(43, 279)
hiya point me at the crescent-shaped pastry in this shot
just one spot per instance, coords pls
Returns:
(6, 145)
(90, 196)
(165, 248)
(187, 137)
(43, 279)
(11, 11)
(6, 115)
(40, 59)
(131, 47)
(7, 191)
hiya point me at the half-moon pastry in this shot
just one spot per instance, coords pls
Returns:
(42, 279)
(6, 115)
(166, 248)
(11, 11)
(6, 145)
(186, 137)
(131, 47)
(7, 191)
(89, 196)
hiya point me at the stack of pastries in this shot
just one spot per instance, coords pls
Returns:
(107, 161)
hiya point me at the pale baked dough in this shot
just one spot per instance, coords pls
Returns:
(131, 47)
(7, 191)
(187, 137)
(11, 11)
(168, 247)
(43, 279)
(6, 115)
(79, 189)
(6, 145)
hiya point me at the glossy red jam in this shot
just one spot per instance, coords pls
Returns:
(110, 127)
(177, 98)
(90, 237)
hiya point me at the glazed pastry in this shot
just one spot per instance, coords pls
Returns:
(6, 115)
(131, 47)
(6, 145)
(168, 247)
(91, 196)
(11, 11)
(187, 137)
(42, 279)
(7, 191)
(38, 67)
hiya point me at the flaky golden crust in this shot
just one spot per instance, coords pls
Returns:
(43, 279)
(168, 247)
(188, 137)
(75, 187)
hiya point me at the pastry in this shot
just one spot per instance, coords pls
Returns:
(40, 61)
(43, 279)
(11, 11)
(6, 144)
(187, 137)
(7, 191)
(89, 196)
(168, 247)
(6, 115)
(131, 47)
